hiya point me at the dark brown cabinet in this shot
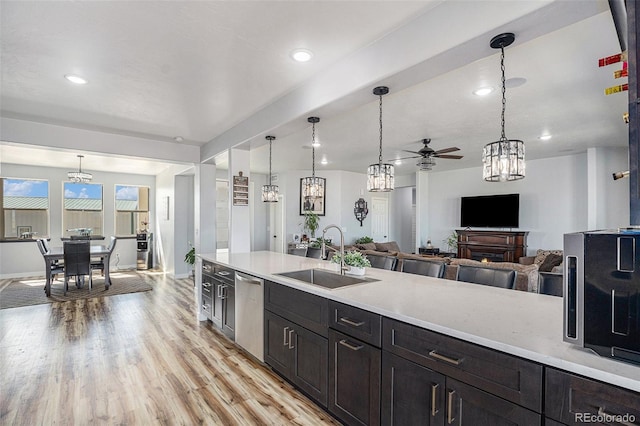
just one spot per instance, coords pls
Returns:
(495, 246)
(296, 338)
(573, 400)
(354, 380)
(218, 297)
(297, 354)
(411, 394)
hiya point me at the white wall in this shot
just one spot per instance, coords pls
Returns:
(553, 198)
(19, 259)
(259, 214)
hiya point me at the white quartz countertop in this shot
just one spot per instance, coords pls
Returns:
(527, 325)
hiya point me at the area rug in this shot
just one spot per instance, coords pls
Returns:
(26, 292)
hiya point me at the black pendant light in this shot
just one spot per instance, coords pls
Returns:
(380, 175)
(270, 192)
(503, 160)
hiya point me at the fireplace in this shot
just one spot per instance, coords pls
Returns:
(487, 256)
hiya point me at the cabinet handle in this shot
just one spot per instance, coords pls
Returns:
(206, 284)
(344, 342)
(436, 355)
(204, 307)
(223, 293)
(284, 336)
(350, 322)
(434, 400)
(603, 413)
(223, 273)
(291, 338)
(450, 417)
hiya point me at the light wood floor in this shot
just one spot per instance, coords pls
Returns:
(135, 359)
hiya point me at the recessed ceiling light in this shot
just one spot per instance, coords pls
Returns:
(178, 139)
(544, 137)
(76, 79)
(301, 55)
(483, 91)
(316, 144)
(324, 161)
(398, 162)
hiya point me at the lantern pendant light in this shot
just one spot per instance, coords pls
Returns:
(312, 186)
(270, 192)
(80, 176)
(503, 160)
(380, 175)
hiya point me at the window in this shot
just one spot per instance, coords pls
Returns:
(25, 208)
(132, 209)
(82, 208)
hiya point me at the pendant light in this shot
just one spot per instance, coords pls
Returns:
(503, 160)
(270, 192)
(312, 186)
(79, 176)
(380, 175)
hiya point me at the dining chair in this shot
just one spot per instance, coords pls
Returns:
(56, 268)
(77, 262)
(382, 262)
(428, 268)
(314, 252)
(550, 283)
(99, 264)
(503, 278)
(298, 251)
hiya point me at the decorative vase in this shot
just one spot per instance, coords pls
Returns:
(355, 270)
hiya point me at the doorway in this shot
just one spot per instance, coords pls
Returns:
(379, 219)
(276, 226)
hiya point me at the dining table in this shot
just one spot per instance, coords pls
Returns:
(57, 253)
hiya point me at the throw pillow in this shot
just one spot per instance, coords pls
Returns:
(550, 262)
(542, 254)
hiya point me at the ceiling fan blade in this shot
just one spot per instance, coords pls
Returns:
(445, 150)
(452, 157)
(403, 158)
(413, 152)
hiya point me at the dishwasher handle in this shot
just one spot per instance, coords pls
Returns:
(248, 279)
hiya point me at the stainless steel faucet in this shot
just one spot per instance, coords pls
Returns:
(323, 251)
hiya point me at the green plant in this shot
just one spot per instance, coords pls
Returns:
(190, 257)
(452, 241)
(352, 258)
(317, 243)
(311, 222)
(364, 240)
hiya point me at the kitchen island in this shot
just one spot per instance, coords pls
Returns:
(525, 325)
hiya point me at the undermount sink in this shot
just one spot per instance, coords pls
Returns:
(324, 278)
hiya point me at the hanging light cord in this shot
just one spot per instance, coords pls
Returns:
(270, 141)
(380, 153)
(313, 150)
(504, 99)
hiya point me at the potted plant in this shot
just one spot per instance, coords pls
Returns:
(355, 260)
(364, 240)
(452, 241)
(311, 222)
(190, 258)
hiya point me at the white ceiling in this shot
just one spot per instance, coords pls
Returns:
(204, 70)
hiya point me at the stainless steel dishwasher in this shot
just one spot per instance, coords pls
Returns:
(250, 314)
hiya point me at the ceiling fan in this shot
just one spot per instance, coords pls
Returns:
(427, 155)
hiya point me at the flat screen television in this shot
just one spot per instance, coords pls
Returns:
(490, 211)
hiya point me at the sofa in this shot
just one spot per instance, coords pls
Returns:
(526, 274)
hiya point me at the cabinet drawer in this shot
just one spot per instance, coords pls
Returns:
(356, 322)
(207, 285)
(504, 375)
(307, 310)
(224, 273)
(570, 399)
(207, 267)
(206, 307)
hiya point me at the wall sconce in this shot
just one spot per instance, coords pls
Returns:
(360, 210)
(620, 175)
